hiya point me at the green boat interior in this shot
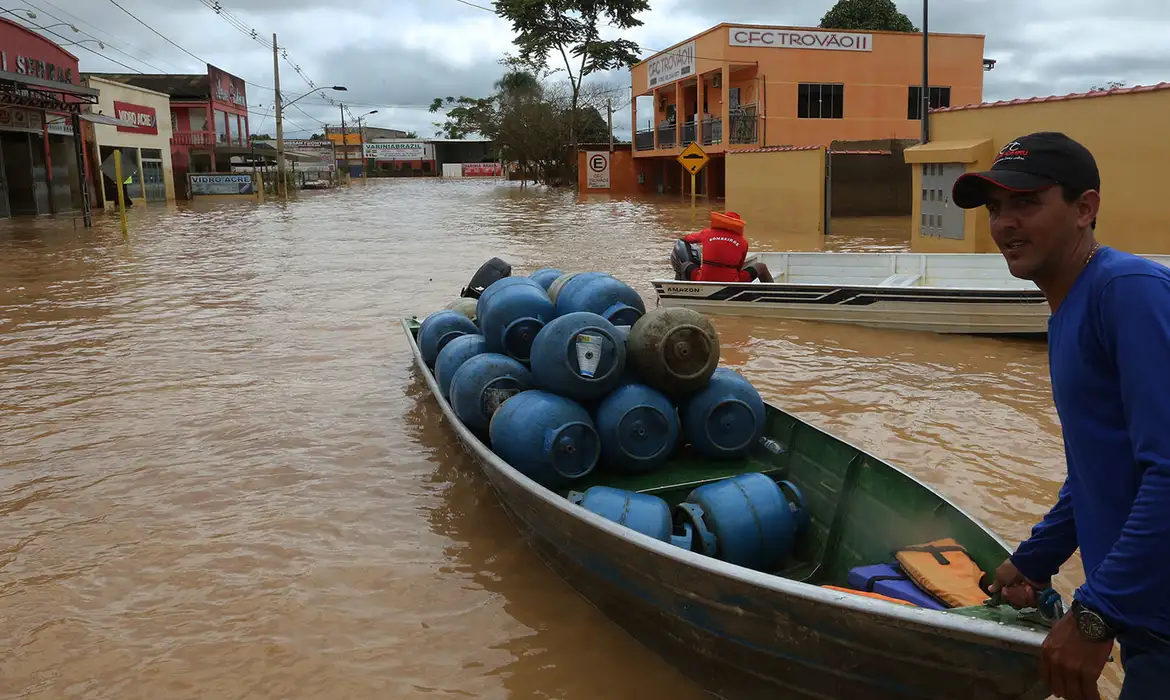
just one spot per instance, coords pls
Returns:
(861, 510)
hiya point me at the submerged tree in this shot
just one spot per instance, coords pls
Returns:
(570, 29)
(873, 15)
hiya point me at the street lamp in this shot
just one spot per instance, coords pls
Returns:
(362, 139)
(280, 105)
(338, 88)
(75, 43)
(27, 13)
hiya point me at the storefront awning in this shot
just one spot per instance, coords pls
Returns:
(29, 91)
(103, 119)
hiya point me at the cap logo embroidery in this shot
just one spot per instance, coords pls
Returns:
(1013, 151)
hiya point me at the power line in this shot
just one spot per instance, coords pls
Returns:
(158, 33)
(478, 7)
(110, 40)
(169, 41)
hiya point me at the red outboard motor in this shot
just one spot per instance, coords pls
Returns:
(491, 271)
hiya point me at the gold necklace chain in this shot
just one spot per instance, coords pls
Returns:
(1096, 247)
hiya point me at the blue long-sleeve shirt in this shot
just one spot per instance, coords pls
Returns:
(1109, 357)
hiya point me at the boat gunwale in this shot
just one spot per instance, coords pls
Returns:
(928, 621)
(1030, 292)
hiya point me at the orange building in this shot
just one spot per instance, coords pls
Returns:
(737, 87)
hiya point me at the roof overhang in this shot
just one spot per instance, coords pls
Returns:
(29, 91)
(103, 119)
(957, 151)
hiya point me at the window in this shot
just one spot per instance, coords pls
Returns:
(221, 127)
(817, 101)
(939, 97)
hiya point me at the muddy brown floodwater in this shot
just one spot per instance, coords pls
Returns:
(220, 476)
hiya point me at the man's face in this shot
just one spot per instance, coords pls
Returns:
(1034, 229)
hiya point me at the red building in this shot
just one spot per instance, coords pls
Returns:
(209, 117)
(42, 160)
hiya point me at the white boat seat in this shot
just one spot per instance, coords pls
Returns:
(905, 280)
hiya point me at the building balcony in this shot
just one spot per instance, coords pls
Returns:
(193, 138)
(743, 131)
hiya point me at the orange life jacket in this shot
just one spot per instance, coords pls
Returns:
(943, 569)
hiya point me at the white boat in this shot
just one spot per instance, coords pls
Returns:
(971, 293)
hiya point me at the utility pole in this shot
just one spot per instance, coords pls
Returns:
(925, 70)
(609, 120)
(345, 144)
(362, 147)
(280, 188)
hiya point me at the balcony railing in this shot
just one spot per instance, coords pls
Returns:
(193, 138)
(744, 129)
(644, 140)
(688, 132)
(666, 136)
(712, 131)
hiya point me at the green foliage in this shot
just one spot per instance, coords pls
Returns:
(867, 15)
(532, 123)
(1112, 85)
(570, 30)
(411, 135)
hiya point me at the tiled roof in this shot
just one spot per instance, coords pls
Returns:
(781, 149)
(777, 149)
(1057, 98)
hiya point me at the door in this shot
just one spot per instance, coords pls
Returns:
(40, 169)
(18, 173)
(152, 177)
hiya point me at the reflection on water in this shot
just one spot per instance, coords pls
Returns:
(221, 477)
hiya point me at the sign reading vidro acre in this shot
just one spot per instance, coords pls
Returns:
(221, 183)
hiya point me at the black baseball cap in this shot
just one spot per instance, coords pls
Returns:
(1029, 164)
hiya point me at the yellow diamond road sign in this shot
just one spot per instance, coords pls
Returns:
(693, 158)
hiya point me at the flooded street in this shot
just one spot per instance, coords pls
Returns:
(221, 477)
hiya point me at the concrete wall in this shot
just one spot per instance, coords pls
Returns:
(623, 176)
(107, 135)
(780, 194)
(1125, 131)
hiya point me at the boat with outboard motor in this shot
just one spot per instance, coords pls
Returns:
(966, 293)
(853, 612)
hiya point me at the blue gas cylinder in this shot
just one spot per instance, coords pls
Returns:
(545, 276)
(482, 384)
(440, 328)
(639, 429)
(602, 294)
(511, 312)
(548, 438)
(452, 357)
(725, 419)
(746, 520)
(649, 515)
(579, 355)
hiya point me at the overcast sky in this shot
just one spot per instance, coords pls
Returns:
(396, 55)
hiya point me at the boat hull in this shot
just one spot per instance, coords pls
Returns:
(1010, 312)
(743, 634)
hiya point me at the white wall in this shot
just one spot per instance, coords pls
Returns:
(107, 135)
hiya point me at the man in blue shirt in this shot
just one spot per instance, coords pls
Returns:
(1109, 358)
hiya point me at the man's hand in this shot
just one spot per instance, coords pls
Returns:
(1017, 590)
(1070, 663)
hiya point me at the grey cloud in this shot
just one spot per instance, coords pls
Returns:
(1054, 47)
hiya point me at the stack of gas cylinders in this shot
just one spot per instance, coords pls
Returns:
(564, 374)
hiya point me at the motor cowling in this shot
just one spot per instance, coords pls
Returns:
(684, 259)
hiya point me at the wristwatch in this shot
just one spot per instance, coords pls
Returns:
(1090, 623)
